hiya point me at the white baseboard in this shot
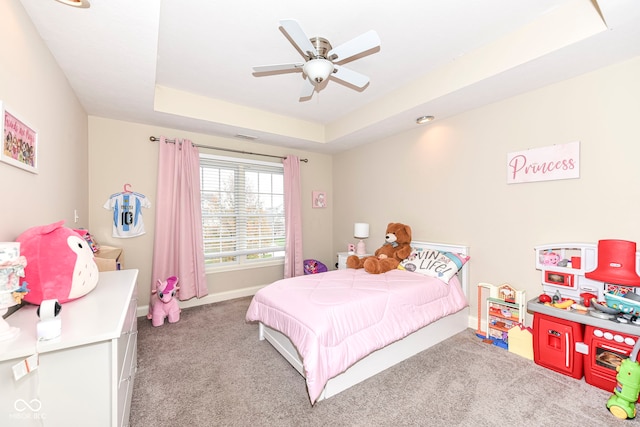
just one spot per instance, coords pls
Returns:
(473, 322)
(240, 293)
(209, 299)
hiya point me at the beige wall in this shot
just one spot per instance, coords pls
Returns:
(121, 153)
(448, 179)
(33, 88)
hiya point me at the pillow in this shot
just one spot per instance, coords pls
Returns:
(432, 262)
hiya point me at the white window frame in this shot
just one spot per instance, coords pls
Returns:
(239, 255)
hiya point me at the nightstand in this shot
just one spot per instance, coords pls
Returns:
(342, 259)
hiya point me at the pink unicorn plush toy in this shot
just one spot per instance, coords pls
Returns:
(166, 305)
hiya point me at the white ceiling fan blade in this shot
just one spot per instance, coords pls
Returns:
(294, 30)
(307, 89)
(349, 76)
(278, 67)
(362, 43)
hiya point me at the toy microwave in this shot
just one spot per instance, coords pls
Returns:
(560, 279)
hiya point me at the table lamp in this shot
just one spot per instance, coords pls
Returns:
(361, 231)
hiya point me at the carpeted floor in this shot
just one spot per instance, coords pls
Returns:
(209, 369)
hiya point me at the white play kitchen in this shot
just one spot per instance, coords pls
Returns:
(587, 318)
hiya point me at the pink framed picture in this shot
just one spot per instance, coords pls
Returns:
(19, 142)
(319, 199)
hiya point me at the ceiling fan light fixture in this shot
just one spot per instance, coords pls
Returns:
(322, 60)
(318, 70)
(424, 119)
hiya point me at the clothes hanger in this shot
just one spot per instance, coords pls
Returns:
(127, 188)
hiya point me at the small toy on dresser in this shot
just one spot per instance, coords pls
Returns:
(166, 305)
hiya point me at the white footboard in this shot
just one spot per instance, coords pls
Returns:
(379, 360)
(283, 345)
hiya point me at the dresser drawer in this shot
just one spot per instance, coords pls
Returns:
(125, 387)
(129, 330)
(127, 361)
(124, 365)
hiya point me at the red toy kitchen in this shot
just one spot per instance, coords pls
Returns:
(587, 319)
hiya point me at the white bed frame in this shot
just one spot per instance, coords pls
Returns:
(392, 354)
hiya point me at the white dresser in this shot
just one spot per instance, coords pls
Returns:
(84, 377)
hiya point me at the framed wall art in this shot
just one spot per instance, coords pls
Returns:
(19, 142)
(319, 199)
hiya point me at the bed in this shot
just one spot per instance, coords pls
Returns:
(341, 327)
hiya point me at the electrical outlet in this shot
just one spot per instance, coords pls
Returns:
(75, 216)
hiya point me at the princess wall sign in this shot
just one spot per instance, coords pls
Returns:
(544, 164)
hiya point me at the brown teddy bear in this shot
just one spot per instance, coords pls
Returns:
(396, 248)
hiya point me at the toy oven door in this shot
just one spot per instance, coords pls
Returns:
(606, 356)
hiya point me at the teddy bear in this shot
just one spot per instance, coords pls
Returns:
(397, 247)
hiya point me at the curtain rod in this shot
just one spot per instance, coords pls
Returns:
(173, 141)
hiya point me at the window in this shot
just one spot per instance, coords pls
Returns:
(242, 210)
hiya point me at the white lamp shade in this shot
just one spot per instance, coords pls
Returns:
(318, 69)
(361, 230)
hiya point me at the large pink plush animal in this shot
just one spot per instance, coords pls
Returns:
(166, 305)
(60, 264)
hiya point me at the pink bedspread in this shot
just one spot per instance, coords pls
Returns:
(336, 318)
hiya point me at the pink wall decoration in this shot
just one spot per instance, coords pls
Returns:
(544, 164)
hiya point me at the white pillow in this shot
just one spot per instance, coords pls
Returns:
(432, 262)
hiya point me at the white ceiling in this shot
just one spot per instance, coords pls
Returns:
(187, 64)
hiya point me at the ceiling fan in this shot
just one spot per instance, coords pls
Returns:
(322, 60)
